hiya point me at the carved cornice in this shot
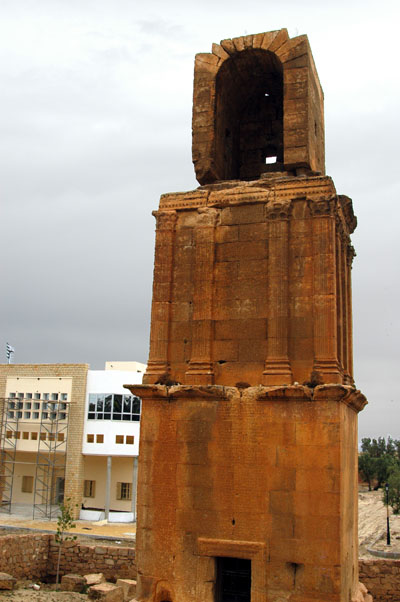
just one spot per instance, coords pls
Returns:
(212, 392)
(238, 192)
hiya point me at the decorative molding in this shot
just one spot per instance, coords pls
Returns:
(258, 191)
(322, 207)
(166, 220)
(280, 209)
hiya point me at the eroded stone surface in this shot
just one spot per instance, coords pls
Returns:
(129, 587)
(72, 583)
(94, 578)
(106, 592)
(7, 582)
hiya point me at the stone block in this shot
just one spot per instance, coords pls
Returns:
(7, 581)
(106, 592)
(94, 579)
(129, 587)
(72, 583)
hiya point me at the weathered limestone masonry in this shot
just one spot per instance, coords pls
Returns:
(78, 373)
(35, 556)
(248, 457)
(382, 577)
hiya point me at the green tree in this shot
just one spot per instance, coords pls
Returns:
(367, 468)
(385, 465)
(65, 522)
(394, 491)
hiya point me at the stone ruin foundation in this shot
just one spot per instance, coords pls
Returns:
(248, 449)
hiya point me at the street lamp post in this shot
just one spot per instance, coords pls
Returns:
(387, 515)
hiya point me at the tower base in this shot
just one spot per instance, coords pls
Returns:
(263, 474)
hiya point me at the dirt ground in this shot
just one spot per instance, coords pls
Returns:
(47, 593)
(372, 533)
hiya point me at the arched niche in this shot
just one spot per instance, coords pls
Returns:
(249, 115)
(236, 127)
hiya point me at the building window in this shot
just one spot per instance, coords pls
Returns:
(9, 434)
(42, 436)
(54, 396)
(25, 435)
(124, 491)
(12, 395)
(60, 437)
(36, 396)
(99, 438)
(130, 439)
(27, 484)
(119, 439)
(34, 436)
(89, 488)
(90, 438)
(103, 406)
(28, 395)
(64, 396)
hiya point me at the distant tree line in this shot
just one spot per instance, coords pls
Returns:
(378, 464)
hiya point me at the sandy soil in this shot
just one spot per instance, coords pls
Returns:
(24, 593)
(372, 524)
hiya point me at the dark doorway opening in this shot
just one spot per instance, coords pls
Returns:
(249, 115)
(233, 580)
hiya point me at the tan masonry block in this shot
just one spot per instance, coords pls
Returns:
(278, 40)
(268, 38)
(220, 52)
(228, 46)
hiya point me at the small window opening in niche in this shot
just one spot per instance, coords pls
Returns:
(271, 160)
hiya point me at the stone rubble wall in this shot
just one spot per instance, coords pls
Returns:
(113, 562)
(382, 578)
(25, 556)
(35, 556)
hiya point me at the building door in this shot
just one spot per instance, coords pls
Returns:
(233, 580)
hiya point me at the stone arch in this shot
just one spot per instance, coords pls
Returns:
(163, 592)
(248, 114)
(301, 143)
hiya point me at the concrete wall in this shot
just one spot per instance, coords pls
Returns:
(95, 468)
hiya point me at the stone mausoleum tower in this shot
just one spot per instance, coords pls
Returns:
(248, 448)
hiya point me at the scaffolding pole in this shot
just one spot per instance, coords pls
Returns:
(9, 420)
(51, 460)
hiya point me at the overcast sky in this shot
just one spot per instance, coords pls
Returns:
(96, 123)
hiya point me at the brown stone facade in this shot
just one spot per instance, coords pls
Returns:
(252, 284)
(248, 452)
(265, 473)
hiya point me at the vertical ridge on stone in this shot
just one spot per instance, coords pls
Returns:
(248, 454)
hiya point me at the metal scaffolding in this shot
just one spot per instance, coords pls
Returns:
(51, 459)
(9, 420)
(51, 434)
